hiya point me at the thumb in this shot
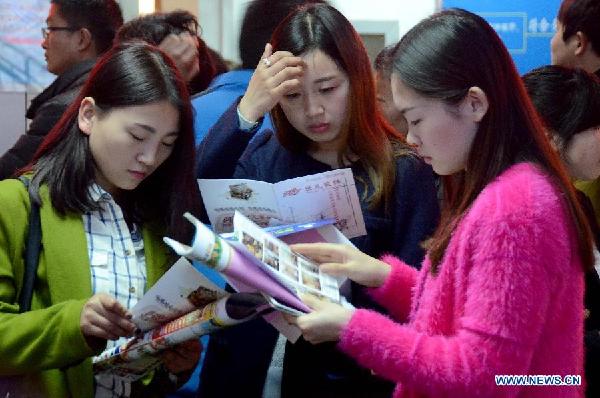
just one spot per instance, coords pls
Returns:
(312, 301)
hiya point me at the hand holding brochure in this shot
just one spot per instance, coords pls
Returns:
(138, 355)
(182, 305)
(237, 266)
(304, 199)
(272, 255)
(260, 261)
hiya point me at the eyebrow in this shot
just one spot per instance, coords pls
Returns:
(152, 129)
(408, 108)
(325, 79)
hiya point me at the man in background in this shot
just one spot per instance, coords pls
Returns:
(176, 33)
(576, 43)
(77, 32)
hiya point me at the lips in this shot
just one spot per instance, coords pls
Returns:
(426, 159)
(140, 175)
(319, 127)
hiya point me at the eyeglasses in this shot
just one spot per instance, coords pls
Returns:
(46, 31)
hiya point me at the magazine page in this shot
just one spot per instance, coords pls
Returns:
(311, 198)
(324, 233)
(180, 290)
(238, 267)
(222, 197)
(320, 196)
(275, 257)
(138, 355)
(281, 231)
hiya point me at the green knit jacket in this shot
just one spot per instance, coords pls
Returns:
(43, 351)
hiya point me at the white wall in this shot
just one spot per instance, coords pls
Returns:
(12, 113)
(221, 19)
(403, 12)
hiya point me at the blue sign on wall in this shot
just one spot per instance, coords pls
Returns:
(22, 64)
(525, 26)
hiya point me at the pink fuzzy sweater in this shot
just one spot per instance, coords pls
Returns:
(507, 299)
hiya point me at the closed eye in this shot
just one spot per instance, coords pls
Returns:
(326, 90)
(415, 122)
(292, 96)
(136, 137)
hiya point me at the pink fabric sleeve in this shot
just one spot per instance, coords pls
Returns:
(506, 308)
(395, 293)
(516, 261)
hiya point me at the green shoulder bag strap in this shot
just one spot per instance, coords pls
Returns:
(32, 251)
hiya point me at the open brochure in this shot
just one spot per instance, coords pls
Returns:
(255, 260)
(138, 355)
(180, 290)
(304, 199)
(181, 306)
(296, 272)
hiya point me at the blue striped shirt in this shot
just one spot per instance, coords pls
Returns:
(118, 268)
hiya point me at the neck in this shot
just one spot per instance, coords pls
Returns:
(591, 63)
(329, 157)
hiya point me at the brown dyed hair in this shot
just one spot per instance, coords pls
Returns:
(367, 133)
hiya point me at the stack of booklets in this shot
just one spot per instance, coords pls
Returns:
(256, 261)
(181, 306)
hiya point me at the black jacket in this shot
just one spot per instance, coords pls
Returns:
(45, 110)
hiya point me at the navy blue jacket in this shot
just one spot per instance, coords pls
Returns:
(308, 370)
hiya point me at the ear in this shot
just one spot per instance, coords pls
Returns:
(475, 104)
(86, 116)
(582, 43)
(85, 41)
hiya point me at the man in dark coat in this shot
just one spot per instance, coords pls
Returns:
(77, 33)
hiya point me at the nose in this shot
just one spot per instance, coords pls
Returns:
(149, 155)
(45, 43)
(412, 139)
(312, 106)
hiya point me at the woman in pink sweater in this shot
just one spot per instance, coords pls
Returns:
(501, 289)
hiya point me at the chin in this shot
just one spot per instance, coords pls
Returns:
(130, 186)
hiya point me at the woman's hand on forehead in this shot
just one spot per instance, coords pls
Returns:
(275, 75)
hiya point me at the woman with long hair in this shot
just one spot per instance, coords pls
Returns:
(316, 80)
(113, 176)
(501, 289)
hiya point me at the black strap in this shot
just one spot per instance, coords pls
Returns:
(32, 251)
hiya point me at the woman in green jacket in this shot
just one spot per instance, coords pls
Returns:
(113, 176)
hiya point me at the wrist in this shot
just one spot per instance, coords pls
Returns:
(383, 271)
(246, 112)
(348, 317)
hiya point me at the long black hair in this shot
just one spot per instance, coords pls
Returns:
(566, 99)
(441, 58)
(128, 75)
